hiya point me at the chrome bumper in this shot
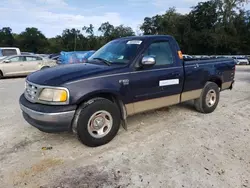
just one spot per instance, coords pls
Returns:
(48, 122)
(49, 117)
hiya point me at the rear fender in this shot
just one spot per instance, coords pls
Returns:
(216, 80)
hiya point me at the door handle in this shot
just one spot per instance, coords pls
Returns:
(175, 74)
(21, 64)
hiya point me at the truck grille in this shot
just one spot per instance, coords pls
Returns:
(31, 92)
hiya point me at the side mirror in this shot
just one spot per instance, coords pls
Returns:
(148, 61)
(6, 61)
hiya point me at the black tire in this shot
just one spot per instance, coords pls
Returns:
(1, 74)
(84, 114)
(205, 107)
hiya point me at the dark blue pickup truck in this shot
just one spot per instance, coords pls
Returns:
(126, 76)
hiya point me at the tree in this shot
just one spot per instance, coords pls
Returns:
(55, 45)
(107, 29)
(89, 30)
(71, 39)
(148, 27)
(110, 32)
(204, 16)
(122, 31)
(228, 9)
(6, 37)
(33, 40)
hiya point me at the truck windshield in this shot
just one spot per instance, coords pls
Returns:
(118, 51)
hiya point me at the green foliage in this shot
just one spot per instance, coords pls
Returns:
(6, 37)
(212, 27)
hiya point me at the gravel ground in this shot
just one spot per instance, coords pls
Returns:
(171, 147)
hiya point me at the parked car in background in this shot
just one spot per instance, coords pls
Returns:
(21, 65)
(54, 55)
(8, 51)
(56, 58)
(27, 53)
(185, 56)
(43, 55)
(241, 60)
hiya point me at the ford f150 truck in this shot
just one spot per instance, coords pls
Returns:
(126, 76)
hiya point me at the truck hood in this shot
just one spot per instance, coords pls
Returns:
(61, 74)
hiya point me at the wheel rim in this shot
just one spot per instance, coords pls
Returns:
(100, 124)
(211, 98)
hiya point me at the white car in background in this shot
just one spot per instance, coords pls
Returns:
(22, 65)
(8, 51)
(241, 60)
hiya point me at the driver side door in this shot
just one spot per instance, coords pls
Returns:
(14, 67)
(160, 85)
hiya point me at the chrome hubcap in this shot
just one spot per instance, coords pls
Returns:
(100, 124)
(211, 98)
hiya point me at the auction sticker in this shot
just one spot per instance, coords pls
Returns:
(134, 42)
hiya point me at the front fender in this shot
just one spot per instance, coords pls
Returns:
(102, 92)
(82, 90)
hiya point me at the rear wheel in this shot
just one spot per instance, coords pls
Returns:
(209, 98)
(1, 74)
(98, 122)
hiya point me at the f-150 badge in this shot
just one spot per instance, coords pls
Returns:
(124, 82)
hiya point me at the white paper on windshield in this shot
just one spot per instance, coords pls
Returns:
(121, 57)
(134, 42)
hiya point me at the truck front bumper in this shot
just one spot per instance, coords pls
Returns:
(47, 118)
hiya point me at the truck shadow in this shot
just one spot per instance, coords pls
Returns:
(187, 105)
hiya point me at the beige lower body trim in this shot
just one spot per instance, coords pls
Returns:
(130, 109)
(189, 95)
(226, 85)
(151, 104)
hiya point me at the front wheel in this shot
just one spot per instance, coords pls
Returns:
(209, 98)
(98, 122)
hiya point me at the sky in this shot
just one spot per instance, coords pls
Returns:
(53, 16)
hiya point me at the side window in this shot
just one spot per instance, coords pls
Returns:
(8, 52)
(162, 53)
(32, 58)
(15, 59)
(39, 58)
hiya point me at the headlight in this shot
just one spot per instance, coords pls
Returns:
(53, 95)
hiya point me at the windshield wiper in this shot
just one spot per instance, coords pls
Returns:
(103, 60)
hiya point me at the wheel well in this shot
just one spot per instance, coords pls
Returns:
(113, 98)
(217, 81)
(108, 96)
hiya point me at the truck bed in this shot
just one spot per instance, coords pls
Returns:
(199, 71)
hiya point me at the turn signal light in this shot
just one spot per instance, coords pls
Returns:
(180, 54)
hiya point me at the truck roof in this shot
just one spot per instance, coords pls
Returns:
(146, 37)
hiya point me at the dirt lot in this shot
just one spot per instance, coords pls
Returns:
(171, 147)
